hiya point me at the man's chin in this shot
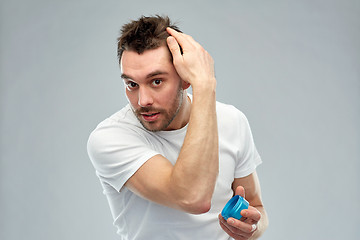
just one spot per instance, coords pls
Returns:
(152, 127)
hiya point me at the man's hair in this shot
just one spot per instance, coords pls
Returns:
(144, 34)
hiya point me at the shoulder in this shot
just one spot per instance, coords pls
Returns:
(232, 123)
(121, 127)
(229, 114)
(123, 119)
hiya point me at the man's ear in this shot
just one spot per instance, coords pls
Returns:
(185, 85)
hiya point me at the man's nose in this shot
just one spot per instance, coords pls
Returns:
(145, 97)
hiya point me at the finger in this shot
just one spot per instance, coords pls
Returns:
(231, 234)
(174, 48)
(240, 190)
(254, 227)
(231, 231)
(251, 213)
(240, 225)
(175, 34)
(185, 41)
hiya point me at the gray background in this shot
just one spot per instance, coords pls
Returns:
(291, 66)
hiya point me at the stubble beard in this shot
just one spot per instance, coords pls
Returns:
(169, 116)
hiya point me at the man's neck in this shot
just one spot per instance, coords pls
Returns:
(183, 116)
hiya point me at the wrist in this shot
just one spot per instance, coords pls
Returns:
(206, 88)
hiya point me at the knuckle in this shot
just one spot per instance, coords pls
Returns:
(258, 216)
(249, 229)
(188, 37)
(173, 48)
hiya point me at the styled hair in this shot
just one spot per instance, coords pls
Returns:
(144, 34)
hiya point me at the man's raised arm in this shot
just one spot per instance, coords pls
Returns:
(189, 184)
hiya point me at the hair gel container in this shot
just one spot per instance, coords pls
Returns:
(234, 206)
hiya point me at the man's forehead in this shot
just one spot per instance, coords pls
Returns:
(150, 62)
(159, 53)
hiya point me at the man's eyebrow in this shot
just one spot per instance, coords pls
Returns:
(150, 75)
(124, 76)
(155, 73)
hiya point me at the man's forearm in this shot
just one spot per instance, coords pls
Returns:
(197, 167)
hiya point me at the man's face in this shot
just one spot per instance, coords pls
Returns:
(153, 88)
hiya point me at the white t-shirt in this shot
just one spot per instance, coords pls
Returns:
(120, 145)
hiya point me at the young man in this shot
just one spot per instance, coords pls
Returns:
(169, 161)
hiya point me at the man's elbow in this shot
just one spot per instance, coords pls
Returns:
(196, 207)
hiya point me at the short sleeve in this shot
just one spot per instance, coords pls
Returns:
(248, 157)
(117, 152)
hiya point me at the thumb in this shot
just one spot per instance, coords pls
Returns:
(240, 190)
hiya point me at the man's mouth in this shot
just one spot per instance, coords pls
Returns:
(150, 117)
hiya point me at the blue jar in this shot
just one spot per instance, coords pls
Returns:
(234, 206)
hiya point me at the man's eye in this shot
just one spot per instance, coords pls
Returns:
(157, 82)
(131, 85)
